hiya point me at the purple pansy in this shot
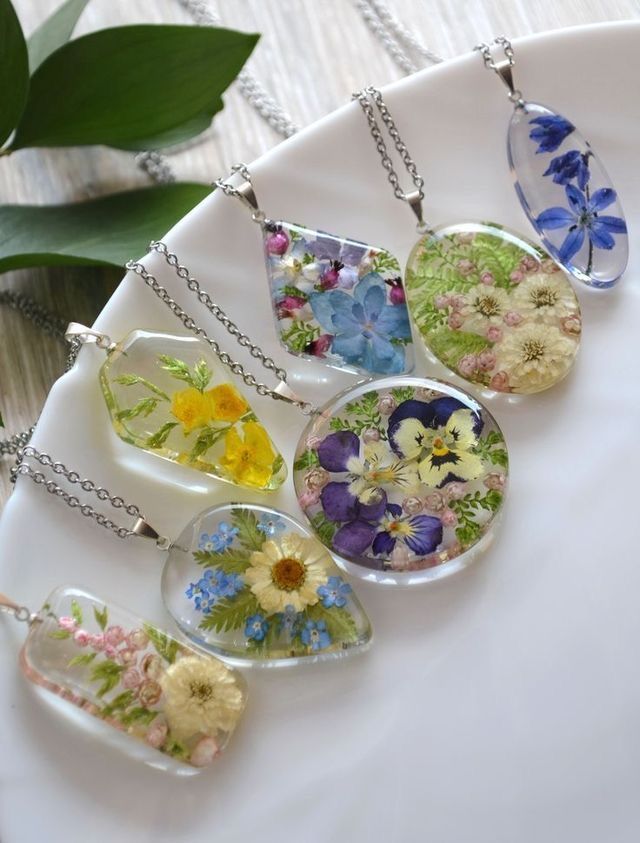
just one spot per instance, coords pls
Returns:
(433, 414)
(358, 520)
(421, 533)
(549, 132)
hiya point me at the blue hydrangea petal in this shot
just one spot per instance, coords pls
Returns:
(352, 349)
(393, 321)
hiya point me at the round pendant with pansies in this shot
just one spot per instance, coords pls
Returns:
(252, 584)
(402, 479)
(494, 308)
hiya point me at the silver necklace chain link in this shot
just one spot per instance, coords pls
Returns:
(503, 68)
(22, 467)
(396, 39)
(189, 323)
(365, 98)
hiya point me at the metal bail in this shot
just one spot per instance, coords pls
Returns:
(248, 195)
(504, 69)
(143, 529)
(415, 201)
(20, 613)
(77, 331)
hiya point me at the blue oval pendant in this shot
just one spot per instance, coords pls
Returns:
(568, 196)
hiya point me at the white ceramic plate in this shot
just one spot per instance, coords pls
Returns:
(500, 705)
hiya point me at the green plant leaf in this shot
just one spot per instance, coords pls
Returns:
(134, 380)
(60, 633)
(105, 231)
(144, 408)
(138, 715)
(143, 87)
(201, 375)
(249, 536)
(307, 459)
(101, 617)
(14, 70)
(233, 614)
(86, 658)
(54, 32)
(108, 673)
(157, 439)
(164, 646)
(76, 612)
(230, 560)
(176, 368)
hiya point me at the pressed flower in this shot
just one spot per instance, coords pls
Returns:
(256, 627)
(288, 572)
(192, 408)
(201, 696)
(484, 306)
(546, 296)
(220, 540)
(334, 593)
(249, 460)
(421, 533)
(536, 356)
(443, 453)
(270, 525)
(549, 131)
(569, 166)
(341, 506)
(315, 635)
(227, 404)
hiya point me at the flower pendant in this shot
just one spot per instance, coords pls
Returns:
(161, 701)
(493, 308)
(567, 195)
(337, 301)
(402, 479)
(169, 396)
(251, 584)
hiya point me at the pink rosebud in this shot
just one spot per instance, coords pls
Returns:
(571, 325)
(449, 518)
(486, 360)
(156, 734)
(320, 346)
(114, 635)
(204, 752)
(465, 266)
(468, 364)
(309, 498)
(455, 490)
(512, 318)
(493, 333)
(455, 320)
(487, 278)
(424, 394)
(126, 656)
(277, 242)
(399, 558)
(137, 640)
(151, 666)
(435, 501)
(131, 678)
(370, 435)
(500, 382)
(81, 637)
(397, 296)
(549, 266)
(495, 480)
(149, 692)
(412, 505)
(287, 307)
(316, 479)
(97, 641)
(314, 442)
(457, 302)
(516, 276)
(441, 302)
(68, 624)
(528, 263)
(110, 652)
(387, 404)
(329, 278)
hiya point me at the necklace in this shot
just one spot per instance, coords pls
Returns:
(241, 580)
(139, 689)
(489, 305)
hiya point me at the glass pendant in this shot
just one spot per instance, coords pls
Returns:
(403, 479)
(253, 585)
(159, 700)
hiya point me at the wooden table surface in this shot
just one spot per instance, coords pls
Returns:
(312, 55)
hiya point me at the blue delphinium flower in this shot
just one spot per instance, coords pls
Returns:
(363, 325)
(289, 621)
(315, 635)
(335, 592)
(550, 130)
(571, 165)
(270, 525)
(256, 627)
(583, 219)
(217, 542)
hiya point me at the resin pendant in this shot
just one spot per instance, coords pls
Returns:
(160, 701)
(169, 396)
(402, 478)
(337, 300)
(252, 584)
(493, 308)
(568, 196)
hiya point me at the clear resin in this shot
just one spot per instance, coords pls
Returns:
(168, 395)
(337, 301)
(568, 196)
(155, 698)
(252, 584)
(402, 478)
(493, 308)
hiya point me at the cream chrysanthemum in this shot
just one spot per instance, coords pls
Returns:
(535, 356)
(485, 306)
(288, 572)
(547, 297)
(201, 696)
(379, 468)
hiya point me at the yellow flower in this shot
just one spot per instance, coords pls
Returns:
(249, 461)
(192, 408)
(226, 403)
(288, 572)
(201, 696)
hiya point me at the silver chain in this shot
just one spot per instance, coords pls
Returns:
(189, 323)
(365, 97)
(40, 478)
(502, 68)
